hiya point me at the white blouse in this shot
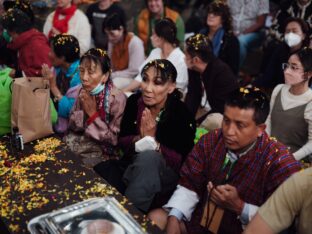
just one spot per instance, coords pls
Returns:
(176, 57)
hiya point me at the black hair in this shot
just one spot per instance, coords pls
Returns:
(222, 9)
(304, 27)
(166, 29)
(167, 72)
(250, 98)
(113, 22)
(164, 2)
(305, 57)
(165, 69)
(23, 5)
(67, 46)
(99, 57)
(15, 20)
(200, 46)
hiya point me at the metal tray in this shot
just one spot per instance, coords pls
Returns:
(77, 218)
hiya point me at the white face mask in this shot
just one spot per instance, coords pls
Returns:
(294, 79)
(292, 39)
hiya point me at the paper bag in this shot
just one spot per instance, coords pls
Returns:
(212, 217)
(30, 111)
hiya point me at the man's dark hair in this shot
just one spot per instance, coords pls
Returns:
(199, 45)
(15, 20)
(250, 98)
(67, 46)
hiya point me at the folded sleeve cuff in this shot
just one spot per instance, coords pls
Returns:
(184, 200)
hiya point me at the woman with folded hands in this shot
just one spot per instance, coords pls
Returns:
(94, 122)
(157, 132)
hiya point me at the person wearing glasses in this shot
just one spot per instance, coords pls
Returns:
(296, 37)
(229, 173)
(290, 117)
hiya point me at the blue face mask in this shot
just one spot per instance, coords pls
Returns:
(99, 88)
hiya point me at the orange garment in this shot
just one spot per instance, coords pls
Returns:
(120, 53)
(144, 22)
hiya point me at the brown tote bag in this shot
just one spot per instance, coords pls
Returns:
(30, 111)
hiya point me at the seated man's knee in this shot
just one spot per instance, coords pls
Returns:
(159, 217)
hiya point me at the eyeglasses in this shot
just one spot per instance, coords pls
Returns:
(291, 67)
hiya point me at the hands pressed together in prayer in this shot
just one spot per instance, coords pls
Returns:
(148, 124)
(226, 196)
(48, 74)
(88, 102)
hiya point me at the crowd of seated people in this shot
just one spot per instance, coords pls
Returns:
(133, 91)
(296, 34)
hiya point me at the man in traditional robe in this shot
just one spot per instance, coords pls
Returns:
(229, 173)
